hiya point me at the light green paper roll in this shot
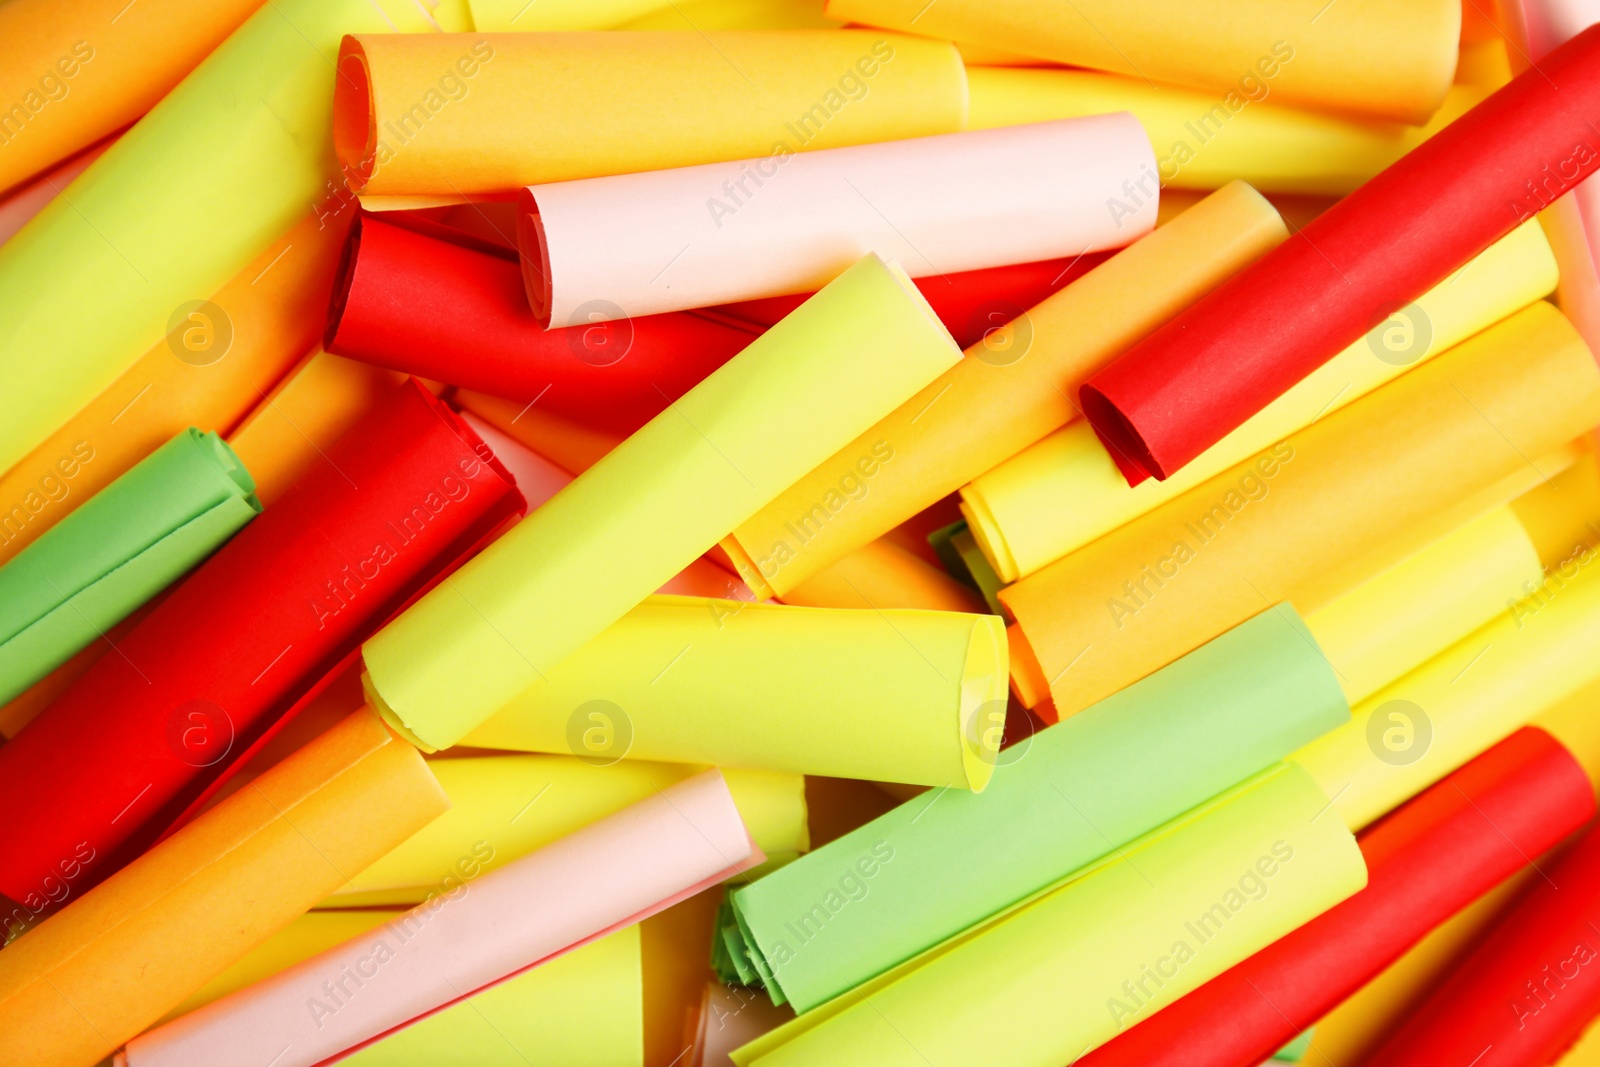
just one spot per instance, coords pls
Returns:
(234, 155)
(1075, 792)
(891, 696)
(125, 544)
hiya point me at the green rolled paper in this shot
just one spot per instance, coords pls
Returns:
(947, 860)
(125, 544)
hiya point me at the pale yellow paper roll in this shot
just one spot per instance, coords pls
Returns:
(1106, 950)
(1201, 142)
(523, 16)
(886, 695)
(504, 807)
(1371, 57)
(1410, 734)
(1065, 491)
(624, 527)
(1011, 389)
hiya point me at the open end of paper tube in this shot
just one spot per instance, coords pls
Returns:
(984, 681)
(1027, 676)
(1128, 450)
(987, 533)
(355, 127)
(745, 564)
(342, 280)
(535, 256)
(390, 718)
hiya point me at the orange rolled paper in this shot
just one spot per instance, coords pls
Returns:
(1013, 387)
(130, 950)
(209, 372)
(72, 71)
(1358, 491)
(881, 574)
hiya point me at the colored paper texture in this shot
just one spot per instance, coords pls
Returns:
(226, 162)
(657, 501)
(457, 115)
(1367, 59)
(593, 882)
(147, 731)
(1203, 141)
(208, 372)
(1187, 902)
(1065, 799)
(1067, 490)
(667, 240)
(1189, 384)
(429, 307)
(881, 574)
(1431, 858)
(504, 807)
(1412, 733)
(128, 951)
(23, 202)
(75, 72)
(1013, 387)
(504, 16)
(124, 545)
(891, 695)
(1330, 505)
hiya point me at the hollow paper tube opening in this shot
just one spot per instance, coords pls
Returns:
(355, 127)
(985, 679)
(1127, 448)
(535, 256)
(343, 278)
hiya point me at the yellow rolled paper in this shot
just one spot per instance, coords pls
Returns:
(1202, 141)
(520, 16)
(1363, 57)
(226, 162)
(1065, 491)
(1562, 515)
(1104, 951)
(1012, 388)
(1410, 734)
(889, 695)
(1416, 609)
(834, 366)
(504, 807)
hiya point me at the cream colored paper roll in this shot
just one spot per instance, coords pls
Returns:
(892, 696)
(806, 387)
(667, 240)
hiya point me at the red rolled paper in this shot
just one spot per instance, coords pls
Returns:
(1194, 380)
(459, 314)
(1528, 991)
(1425, 861)
(153, 724)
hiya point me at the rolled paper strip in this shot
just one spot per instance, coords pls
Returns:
(1277, 149)
(1189, 384)
(1068, 797)
(666, 240)
(113, 73)
(569, 445)
(1066, 490)
(423, 305)
(146, 732)
(881, 574)
(209, 371)
(602, 878)
(1187, 901)
(1367, 59)
(491, 821)
(507, 16)
(114, 961)
(859, 347)
(127, 543)
(1578, 292)
(889, 695)
(227, 161)
(1557, 514)
(1427, 861)
(1311, 517)
(526, 110)
(1410, 734)
(537, 478)
(1013, 387)
(1525, 993)
(25, 201)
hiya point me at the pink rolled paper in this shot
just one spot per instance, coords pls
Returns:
(608, 875)
(667, 240)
